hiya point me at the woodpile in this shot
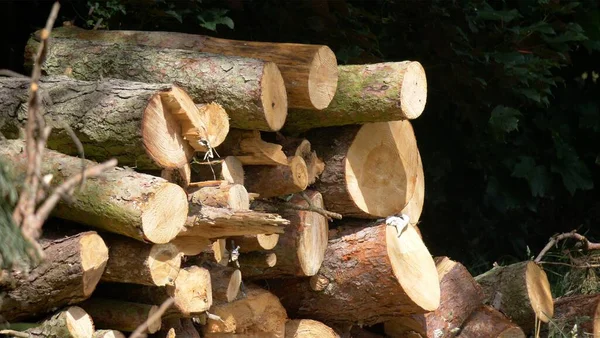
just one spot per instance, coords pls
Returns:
(300, 220)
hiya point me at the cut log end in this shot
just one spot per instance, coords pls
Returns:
(312, 242)
(192, 290)
(164, 262)
(539, 292)
(216, 122)
(274, 97)
(78, 322)
(233, 288)
(164, 213)
(300, 328)
(161, 129)
(267, 242)
(381, 167)
(299, 172)
(322, 78)
(414, 267)
(94, 256)
(413, 94)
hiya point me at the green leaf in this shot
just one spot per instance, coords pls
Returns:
(176, 15)
(493, 15)
(504, 119)
(575, 176)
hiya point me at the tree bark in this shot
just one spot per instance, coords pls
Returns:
(369, 275)
(301, 247)
(142, 125)
(370, 170)
(119, 315)
(252, 91)
(228, 169)
(583, 310)
(272, 181)
(301, 147)
(248, 147)
(191, 246)
(72, 322)
(232, 196)
(68, 275)
(249, 243)
(225, 282)
(489, 322)
(131, 261)
(521, 291)
(309, 71)
(378, 92)
(299, 328)
(121, 201)
(459, 297)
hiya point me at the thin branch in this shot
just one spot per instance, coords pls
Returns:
(572, 235)
(139, 331)
(312, 207)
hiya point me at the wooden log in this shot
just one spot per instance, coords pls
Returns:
(142, 125)
(580, 310)
(521, 291)
(248, 147)
(173, 327)
(180, 176)
(121, 201)
(460, 296)
(309, 71)
(252, 91)
(390, 276)
(228, 169)
(272, 181)
(72, 322)
(253, 262)
(120, 315)
(369, 93)
(249, 243)
(370, 170)
(233, 196)
(302, 247)
(217, 125)
(301, 147)
(68, 275)
(489, 322)
(225, 282)
(414, 208)
(191, 246)
(108, 334)
(300, 328)
(259, 312)
(131, 261)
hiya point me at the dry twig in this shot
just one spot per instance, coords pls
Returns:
(139, 331)
(587, 245)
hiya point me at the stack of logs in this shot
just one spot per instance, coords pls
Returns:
(235, 156)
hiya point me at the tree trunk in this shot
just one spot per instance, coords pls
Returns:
(228, 169)
(301, 247)
(521, 291)
(142, 125)
(378, 92)
(225, 282)
(583, 310)
(252, 91)
(69, 274)
(489, 322)
(459, 297)
(259, 311)
(248, 147)
(232, 196)
(131, 261)
(108, 334)
(72, 322)
(309, 71)
(370, 170)
(136, 205)
(301, 147)
(249, 243)
(300, 328)
(119, 315)
(272, 181)
(369, 275)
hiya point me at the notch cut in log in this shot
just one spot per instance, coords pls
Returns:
(252, 91)
(301, 147)
(310, 72)
(120, 315)
(72, 322)
(489, 322)
(248, 147)
(225, 195)
(389, 275)
(121, 201)
(370, 93)
(521, 291)
(69, 274)
(272, 181)
(370, 170)
(301, 249)
(228, 169)
(140, 124)
(459, 297)
(131, 261)
(583, 310)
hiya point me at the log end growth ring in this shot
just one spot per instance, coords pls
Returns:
(322, 78)
(267, 241)
(312, 242)
(164, 214)
(381, 167)
(413, 94)
(233, 288)
(78, 321)
(94, 256)
(540, 295)
(164, 262)
(299, 172)
(414, 267)
(274, 97)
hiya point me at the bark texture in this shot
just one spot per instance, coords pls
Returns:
(583, 310)
(72, 322)
(120, 315)
(489, 322)
(248, 147)
(272, 181)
